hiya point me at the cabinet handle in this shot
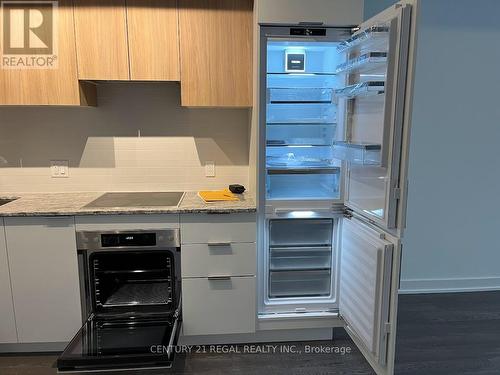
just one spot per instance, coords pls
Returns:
(219, 244)
(219, 278)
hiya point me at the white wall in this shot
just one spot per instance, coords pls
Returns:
(330, 12)
(452, 241)
(105, 152)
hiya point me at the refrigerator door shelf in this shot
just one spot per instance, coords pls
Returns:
(367, 63)
(368, 88)
(358, 153)
(375, 38)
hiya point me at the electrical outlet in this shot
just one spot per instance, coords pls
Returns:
(59, 168)
(210, 169)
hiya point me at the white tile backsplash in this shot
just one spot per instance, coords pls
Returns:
(106, 153)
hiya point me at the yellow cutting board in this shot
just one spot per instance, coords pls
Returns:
(217, 195)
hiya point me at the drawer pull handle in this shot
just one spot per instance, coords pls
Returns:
(219, 278)
(219, 244)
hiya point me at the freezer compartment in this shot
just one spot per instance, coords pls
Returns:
(300, 95)
(300, 232)
(300, 258)
(301, 113)
(358, 153)
(299, 184)
(300, 135)
(287, 284)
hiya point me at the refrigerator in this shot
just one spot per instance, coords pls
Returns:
(332, 169)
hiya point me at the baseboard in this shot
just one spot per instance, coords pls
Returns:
(33, 347)
(421, 286)
(260, 337)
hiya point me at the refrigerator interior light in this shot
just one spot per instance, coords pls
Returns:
(302, 214)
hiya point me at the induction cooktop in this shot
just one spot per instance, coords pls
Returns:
(136, 199)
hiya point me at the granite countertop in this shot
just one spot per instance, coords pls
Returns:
(72, 204)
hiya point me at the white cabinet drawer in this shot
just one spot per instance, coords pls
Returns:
(216, 307)
(205, 228)
(233, 259)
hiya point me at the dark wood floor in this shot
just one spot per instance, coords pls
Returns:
(437, 334)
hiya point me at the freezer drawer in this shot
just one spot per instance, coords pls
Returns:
(287, 284)
(300, 232)
(300, 258)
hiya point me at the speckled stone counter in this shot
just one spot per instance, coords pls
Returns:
(72, 204)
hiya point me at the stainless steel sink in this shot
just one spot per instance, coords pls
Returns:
(4, 201)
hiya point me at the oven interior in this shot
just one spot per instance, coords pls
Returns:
(132, 280)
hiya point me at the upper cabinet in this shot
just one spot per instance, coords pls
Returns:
(153, 40)
(216, 52)
(56, 85)
(101, 39)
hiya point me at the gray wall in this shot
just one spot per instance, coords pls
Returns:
(372, 7)
(452, 241)
(331, 12)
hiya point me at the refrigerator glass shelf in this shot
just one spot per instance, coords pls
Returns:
(365, 63)
(358, 153)
(374, 38)
(305, 81)
(300, 135)
(305, 170)
(301, 95)
(368, 88)
(301, 113)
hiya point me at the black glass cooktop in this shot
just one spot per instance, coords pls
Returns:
(152, 199)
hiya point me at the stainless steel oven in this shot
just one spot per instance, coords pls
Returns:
(130, 286)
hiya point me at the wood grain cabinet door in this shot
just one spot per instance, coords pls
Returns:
(216, 52)
(57, 86)
(101, 39)
(153, 40)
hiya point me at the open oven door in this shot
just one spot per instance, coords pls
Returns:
(369, 279)
(126, 342)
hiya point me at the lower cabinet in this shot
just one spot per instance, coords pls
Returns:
(219, 306)
(218, 273)
(8, 332)
(44, 277)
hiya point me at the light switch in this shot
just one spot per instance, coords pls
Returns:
(59, 168)
(210, 169)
